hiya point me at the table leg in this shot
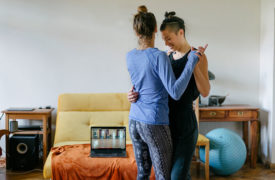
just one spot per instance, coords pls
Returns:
(7, 143)
(50, 132)
(254, 142)
(44, 138)
(245, 137)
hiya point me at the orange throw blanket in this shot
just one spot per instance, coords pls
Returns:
(73, 162)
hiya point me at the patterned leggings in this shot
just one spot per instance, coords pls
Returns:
(152, 144)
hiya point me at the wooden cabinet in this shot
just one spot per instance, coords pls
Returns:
(38, 114)
(246, 114)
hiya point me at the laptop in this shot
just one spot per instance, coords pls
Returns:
(108, 141)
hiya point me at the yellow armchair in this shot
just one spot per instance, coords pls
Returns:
(76, 113)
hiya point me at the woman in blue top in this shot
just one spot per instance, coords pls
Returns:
(183, 123)
(153, 78)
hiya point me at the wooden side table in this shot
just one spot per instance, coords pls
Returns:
(237, 113)
(38, 114)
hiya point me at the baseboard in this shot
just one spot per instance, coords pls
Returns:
(269, 165)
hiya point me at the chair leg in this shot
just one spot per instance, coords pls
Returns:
(207, 162)
(198, 159)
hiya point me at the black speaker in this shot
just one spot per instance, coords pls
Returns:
(24, 152)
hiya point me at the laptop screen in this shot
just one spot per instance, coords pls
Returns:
(108, 138)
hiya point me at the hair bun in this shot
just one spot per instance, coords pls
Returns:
(142, 9)
(168, 15)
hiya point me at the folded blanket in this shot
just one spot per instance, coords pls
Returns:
(73, 162)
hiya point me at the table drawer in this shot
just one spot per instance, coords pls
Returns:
(244, 114)
(212, 114)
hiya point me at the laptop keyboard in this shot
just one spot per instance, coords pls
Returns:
(122, 154)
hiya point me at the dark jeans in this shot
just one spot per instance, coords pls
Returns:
(184, 135)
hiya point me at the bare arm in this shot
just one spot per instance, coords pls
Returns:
(201, 73)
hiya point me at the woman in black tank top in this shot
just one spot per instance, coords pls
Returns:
(183, 123)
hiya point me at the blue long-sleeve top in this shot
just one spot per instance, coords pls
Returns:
(153, 78)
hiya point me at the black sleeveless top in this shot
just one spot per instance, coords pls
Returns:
(182, 117)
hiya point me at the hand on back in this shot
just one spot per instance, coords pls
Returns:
(132, 95)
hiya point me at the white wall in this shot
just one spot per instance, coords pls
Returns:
(266, 91)
(53, 47)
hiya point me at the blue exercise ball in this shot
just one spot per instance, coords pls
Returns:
(227, 153)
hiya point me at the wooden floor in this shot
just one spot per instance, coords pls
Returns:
(260, 173)
(246, 173)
